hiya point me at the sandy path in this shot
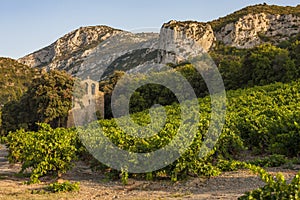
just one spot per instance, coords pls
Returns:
(6, 168)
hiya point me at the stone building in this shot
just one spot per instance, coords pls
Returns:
(91, 105)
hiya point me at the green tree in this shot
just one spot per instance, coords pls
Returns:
(295, 53)
(47, 100)
(14, 79)
(267, 64)
(107, 87)
(231, 71)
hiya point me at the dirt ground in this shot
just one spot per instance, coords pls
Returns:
(229, 185)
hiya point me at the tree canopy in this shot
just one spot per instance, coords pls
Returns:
(47, 100)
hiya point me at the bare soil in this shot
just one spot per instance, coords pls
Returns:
(229, 185)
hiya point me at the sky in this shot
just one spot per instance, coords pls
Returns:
(28, 25)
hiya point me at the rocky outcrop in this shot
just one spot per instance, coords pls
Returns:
(70, 49)
(201, 33)
(123, 51)
(253, 29)
(95, 52)
(180, 40)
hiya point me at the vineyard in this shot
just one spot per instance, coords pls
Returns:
(158, 130)
(262, 120)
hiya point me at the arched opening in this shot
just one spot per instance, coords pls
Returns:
(86, 88)
(93, 86)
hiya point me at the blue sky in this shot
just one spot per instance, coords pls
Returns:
(28, 25)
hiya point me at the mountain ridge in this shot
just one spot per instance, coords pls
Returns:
(67, 46)
(245, 28)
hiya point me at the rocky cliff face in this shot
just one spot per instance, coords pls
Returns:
(254, 29)
(123, 51)
(248, 31)
(179, 40)
(70, 49)
(93, 51)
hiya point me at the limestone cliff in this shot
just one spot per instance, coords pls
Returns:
(70, 49)
(253, 29)
(95, 51)
(180, 40)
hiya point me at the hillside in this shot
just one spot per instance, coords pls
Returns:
(88, 51)
(14, 79)
(68, 48)
(85, 51)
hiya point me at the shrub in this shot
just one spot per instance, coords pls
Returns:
(270, 161)
(45, 151)
(63, 187)
(275, 188)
